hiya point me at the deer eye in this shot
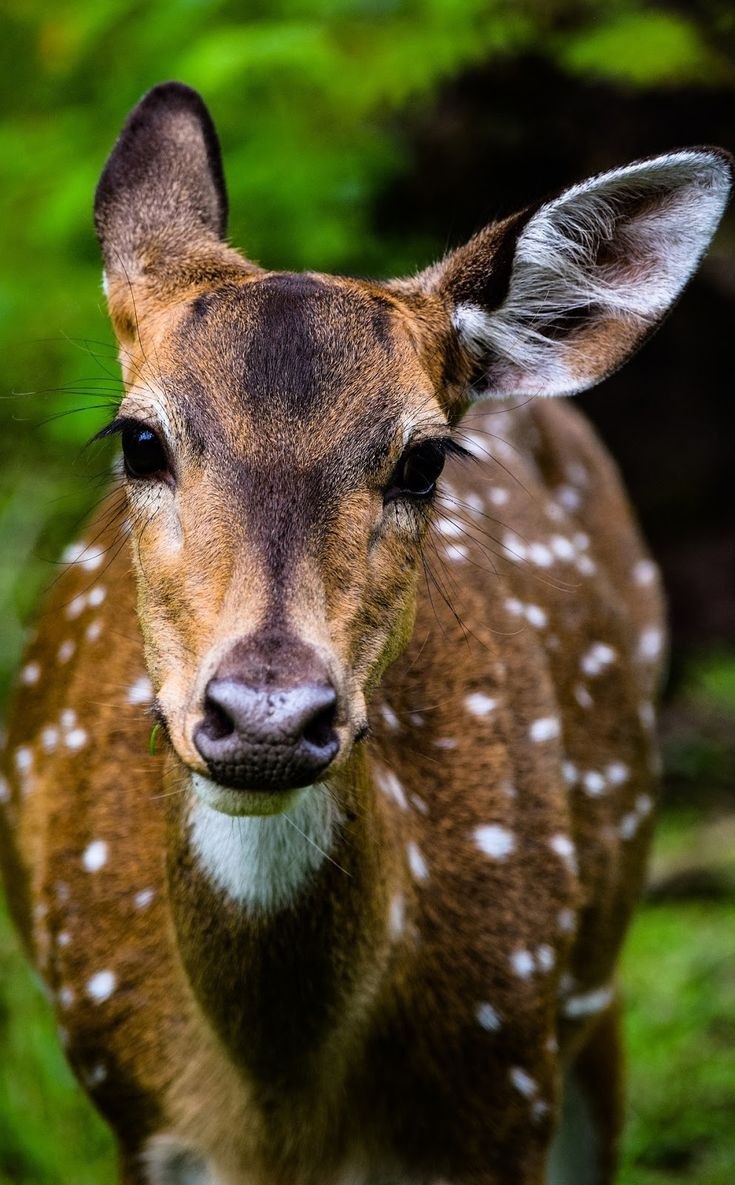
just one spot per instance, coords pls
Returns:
(143, 452)
(417, 473)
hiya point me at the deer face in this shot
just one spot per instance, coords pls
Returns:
(283, 434)
(282, 438)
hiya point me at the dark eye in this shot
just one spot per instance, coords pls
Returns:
(417, 473)
(143, 452)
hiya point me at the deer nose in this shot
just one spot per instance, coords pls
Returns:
(267, 738)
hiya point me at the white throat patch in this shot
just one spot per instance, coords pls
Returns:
(262, 862)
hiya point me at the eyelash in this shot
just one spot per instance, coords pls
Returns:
(428, 459)
(132, 433)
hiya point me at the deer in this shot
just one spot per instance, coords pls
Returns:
(351, 913)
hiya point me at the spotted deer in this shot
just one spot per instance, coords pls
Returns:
(353, 917)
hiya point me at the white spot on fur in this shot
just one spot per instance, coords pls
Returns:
(143, 899)
(650, 644)
(647, 715)
(456, 552)
(76, 607)
(63, 938)
(449, 528)
(582, 696)
(389, 785)
(567, 921)
(170, 1161)
(536, 616)
(495, 841)
(445, 743)
(141, 691)
(487, 1018)
(74, 552)
(480, 704)
(30, 674)
(66, 997)
(96, 595)
(397, 916)
(514, 547)
(585, 565)
(617, 773)
(264, 861)
(597, 659)
(523, 964)
(23, 759)
(68, 718)
(76, 739)
(570, 773)
(630, 823)
(545, 957)
(565, 850)
(644, 573)
(416, 862)
(541, 555)
(390, 717)
(474, 503)
(588, 1003)
(533, 614)
(545, 729)
(568, 498)
(95, 1076)
(498, 496)
(91, 561)
(93, 631)
(101, 986)
(65, 651)
(594, 783)
(562, 547)
(95, 856)
(539, 1110)
(523, 1082)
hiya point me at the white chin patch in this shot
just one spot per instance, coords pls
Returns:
(261, 858)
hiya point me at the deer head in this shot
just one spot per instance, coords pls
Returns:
(283, 434)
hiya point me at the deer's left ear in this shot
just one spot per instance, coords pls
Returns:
(552, 300)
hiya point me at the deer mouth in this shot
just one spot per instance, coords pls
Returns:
(238, 802)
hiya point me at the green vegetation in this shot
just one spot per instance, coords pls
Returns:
(313, 102)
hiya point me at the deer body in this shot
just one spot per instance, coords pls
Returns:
(388, 976)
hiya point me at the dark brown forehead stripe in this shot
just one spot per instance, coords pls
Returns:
(288, 343)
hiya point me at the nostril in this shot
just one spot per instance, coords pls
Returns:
(217, 723)
(319, 731)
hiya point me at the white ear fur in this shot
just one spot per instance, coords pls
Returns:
(654, 219)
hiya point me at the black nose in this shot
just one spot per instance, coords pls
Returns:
(267, 738)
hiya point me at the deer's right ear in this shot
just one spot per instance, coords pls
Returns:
(160, 209)
(552, 300)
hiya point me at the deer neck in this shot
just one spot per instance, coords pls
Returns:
(284, 922)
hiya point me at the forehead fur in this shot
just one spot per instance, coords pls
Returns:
(289, 349)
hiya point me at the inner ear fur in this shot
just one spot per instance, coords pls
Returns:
(555, 298)
(160, 208)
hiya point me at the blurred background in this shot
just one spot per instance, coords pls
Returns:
(367, 136)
